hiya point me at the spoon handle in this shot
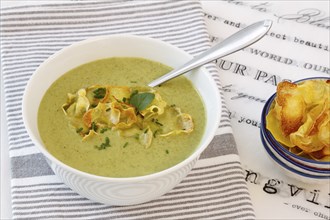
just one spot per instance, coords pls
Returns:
(233, 43)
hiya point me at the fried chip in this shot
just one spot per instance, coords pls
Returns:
(292, 107)
(300, 118)
(119, 93)
(177, 122)
(273, 125)
(145, 138)
(157, 107)
(98, 108)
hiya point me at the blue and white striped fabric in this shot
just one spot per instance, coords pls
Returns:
(215, 189)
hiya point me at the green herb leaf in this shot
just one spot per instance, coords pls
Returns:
(155, 120)
(99, 93)
(125, 145)
(107, 141)
(104, 145)
(103, 130)
(79, 130)
(141, 100)
(93, 126)
(155, 133)
(167, 152)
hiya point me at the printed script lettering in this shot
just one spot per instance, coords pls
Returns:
(310, 16)
(243, 70)
(287, 190)
(241, 95)
(281, 36)
(249, 77)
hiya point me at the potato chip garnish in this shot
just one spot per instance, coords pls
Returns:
(292, 107)
(134, 112)
(299, 118)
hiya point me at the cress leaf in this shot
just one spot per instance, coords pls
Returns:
(141, 100)
(99, 93)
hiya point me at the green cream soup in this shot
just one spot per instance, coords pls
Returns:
(107, 153)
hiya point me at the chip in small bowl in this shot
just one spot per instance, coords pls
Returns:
(295, 126)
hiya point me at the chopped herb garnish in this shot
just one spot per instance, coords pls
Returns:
(103, 130)
(79, 130)
(99, 93)
(136, 136)
(167, 152)
(124, 99)
(107, 140)
(108, 109)
(93, 105)
(141, 100)
(155, 120)
(173, 105)
(146, 130)
(93, 126)
(155, 133)
(133, 81)
(104, 145)
(125, 145)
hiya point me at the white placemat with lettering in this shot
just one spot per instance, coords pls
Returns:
(296, 47)
(30, 33)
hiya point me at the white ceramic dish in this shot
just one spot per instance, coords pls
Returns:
(119, 191)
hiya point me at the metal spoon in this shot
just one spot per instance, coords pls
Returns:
(233, 43)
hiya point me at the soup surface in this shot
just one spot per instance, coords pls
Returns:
(123, 156)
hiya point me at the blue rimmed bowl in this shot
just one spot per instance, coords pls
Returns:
(296, 166)
(292, 171)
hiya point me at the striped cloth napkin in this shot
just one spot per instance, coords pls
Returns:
(216, 187)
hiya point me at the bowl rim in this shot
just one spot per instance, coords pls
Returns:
(288, 167)
(193, 156)
(290, 160)
(272, 138)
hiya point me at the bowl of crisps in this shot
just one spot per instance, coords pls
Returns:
(291, 170)
(296, 123)
(283, 158)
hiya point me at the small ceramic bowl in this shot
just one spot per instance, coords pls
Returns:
(291, 170)
(119, 191)
(291, 163)
(304, 168)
